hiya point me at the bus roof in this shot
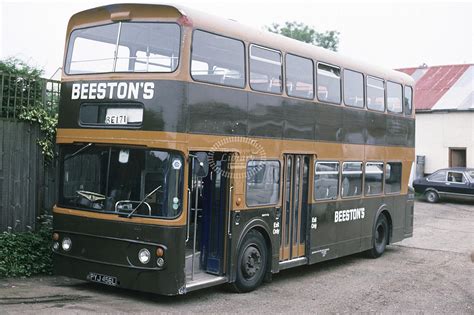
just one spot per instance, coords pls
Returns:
(212, 23)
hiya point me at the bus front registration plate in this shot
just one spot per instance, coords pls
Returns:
(116, 119)
(95, 277)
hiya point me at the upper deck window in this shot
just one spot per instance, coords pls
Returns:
(408, 100)
(218, 59)
(353, 88)
(329, 83)
(375, 94)
(265, 70)
(124, 47)
(394, 97)
(299, 77)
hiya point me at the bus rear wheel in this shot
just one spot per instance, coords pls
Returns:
(251, 263)
(380, 237)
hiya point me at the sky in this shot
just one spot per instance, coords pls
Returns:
(394, 34)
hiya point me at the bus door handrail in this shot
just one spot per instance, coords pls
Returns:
(188, 215)
(230, 211)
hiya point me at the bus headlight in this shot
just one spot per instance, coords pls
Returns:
(66, 244)
(144, 256)
(55, 245)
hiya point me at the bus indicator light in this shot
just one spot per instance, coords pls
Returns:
(159, 252)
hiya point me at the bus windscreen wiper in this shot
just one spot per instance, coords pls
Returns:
(143, 201)
(78, 151)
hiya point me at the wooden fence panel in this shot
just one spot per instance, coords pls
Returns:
(27, 187)
(20, 164)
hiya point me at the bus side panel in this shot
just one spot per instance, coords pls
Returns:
(323, 233)
(372, 205)
(264, 220)
(409, 216)
(214, 110)
(411, 133)
(395, 205)
(202, 108)
(397, 130)
(164, 111)
(334, 236)
(354, 126)
(266, 116)
(298, 126)
(111, 248)
(397, 212)
(375, 128)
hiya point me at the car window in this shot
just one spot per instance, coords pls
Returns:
(439, 176)
(471, 174)
(455, 177)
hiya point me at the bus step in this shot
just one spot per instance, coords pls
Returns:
(204, 280)
(189, 260)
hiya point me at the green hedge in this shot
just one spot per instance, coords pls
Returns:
(27, 253)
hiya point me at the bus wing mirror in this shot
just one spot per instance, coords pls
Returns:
(201, 164)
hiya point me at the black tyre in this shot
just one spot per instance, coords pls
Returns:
(380, 237)
(251, 262)
(431, 196)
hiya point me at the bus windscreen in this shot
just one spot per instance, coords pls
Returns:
(125, 181)
(124, 47)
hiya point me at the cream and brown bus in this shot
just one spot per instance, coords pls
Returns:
(196, 151)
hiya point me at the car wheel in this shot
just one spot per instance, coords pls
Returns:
(251, 262)
(380, 237)
(431, 196)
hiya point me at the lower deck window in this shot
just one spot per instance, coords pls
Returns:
(326, 180)
(263, 183)
(373, 178)
(393, 177)
(351, 180)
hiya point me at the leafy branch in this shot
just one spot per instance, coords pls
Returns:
(307, 34)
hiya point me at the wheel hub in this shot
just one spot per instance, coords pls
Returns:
(251, 262)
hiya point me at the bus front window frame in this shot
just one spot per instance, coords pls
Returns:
(72, 38)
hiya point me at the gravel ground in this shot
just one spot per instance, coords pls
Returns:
(433, 272)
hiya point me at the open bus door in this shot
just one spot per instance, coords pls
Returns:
(209, 195)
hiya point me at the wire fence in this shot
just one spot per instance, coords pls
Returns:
(18, 93)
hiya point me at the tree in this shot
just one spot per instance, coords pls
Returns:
(20, 68)
(307, 34)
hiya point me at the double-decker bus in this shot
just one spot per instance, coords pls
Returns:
(196, 151)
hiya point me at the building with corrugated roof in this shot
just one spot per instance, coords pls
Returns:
(444, 103)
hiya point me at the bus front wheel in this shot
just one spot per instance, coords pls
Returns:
(380, 237)
(251, 263)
